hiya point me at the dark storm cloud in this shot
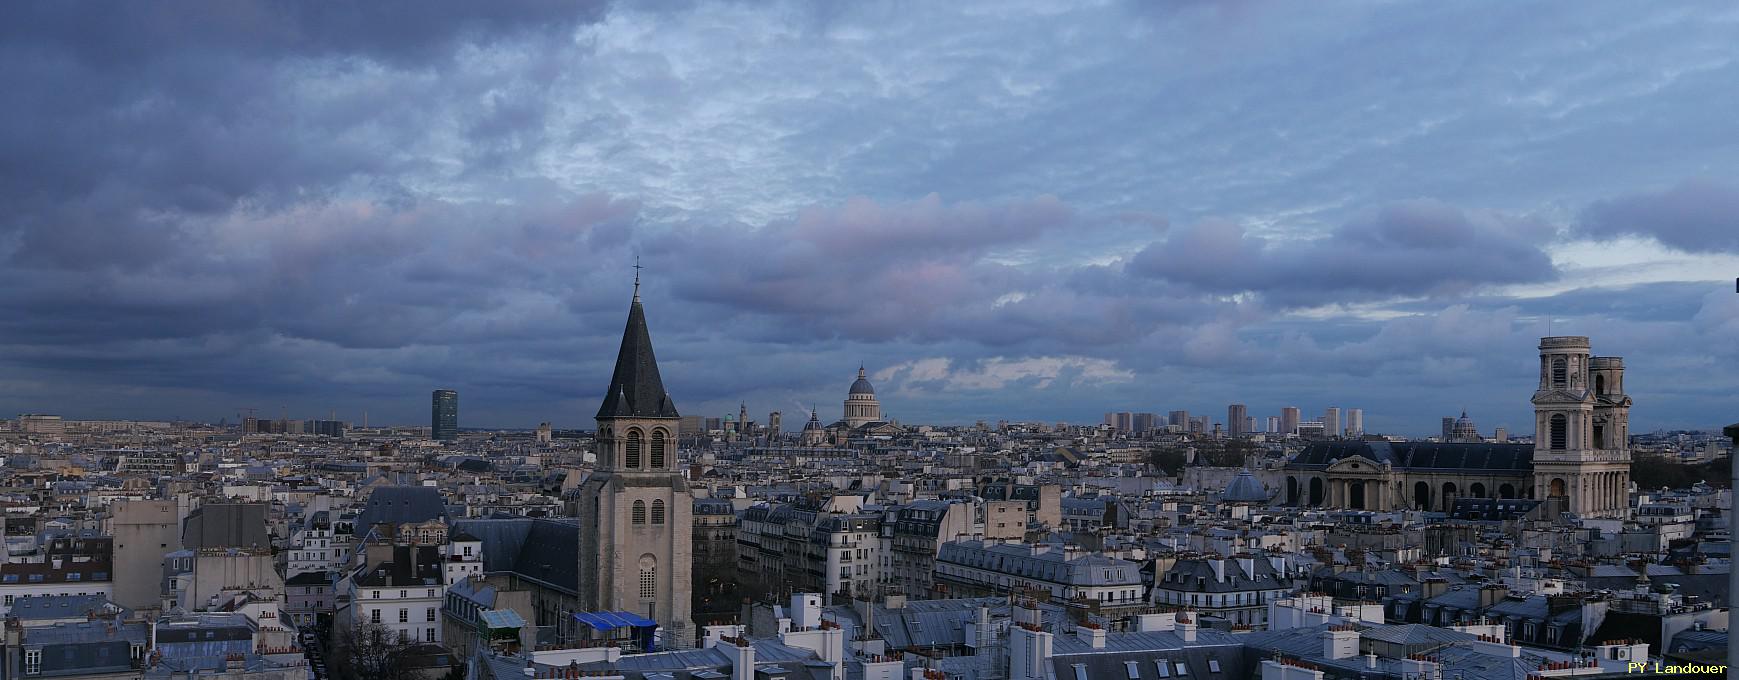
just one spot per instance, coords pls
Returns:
(1005, 210)
(1695, 216)
(125, 119)
(126, 35)
(1402, 249)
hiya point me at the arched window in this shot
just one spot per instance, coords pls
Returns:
(657, 512)
(632, 459)
(1560, 432)
(648, 577)
(639, 514)
(1560, 373)
(658, 449)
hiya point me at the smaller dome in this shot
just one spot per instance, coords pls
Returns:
(1244, 489)
(813, 424)
(862, 386)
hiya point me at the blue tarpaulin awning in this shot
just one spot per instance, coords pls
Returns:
(612, 620)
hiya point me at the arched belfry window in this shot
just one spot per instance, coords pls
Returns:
(1560, 373)
(1560, 434)
(657, 512)
(658, 449)
(639, 513)
(631, 457)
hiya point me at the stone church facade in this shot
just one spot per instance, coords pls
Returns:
(1580, 454)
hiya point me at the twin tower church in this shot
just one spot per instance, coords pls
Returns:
(1580, 456)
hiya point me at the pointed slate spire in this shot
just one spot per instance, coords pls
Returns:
(636, 391)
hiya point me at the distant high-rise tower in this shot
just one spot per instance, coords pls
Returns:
(1179, 419)
(1249, 424)
(635, 510)
(1146, 422)
(1448, 427)
(1502, 435)
(444, 415)
(1273, 423)
(1125, 422)
(1289, 419)
(1331, 424)
(1355, 422)
(1235, 415)
(861, 407)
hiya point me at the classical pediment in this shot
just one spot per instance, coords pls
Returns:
(1556, 396)
(1355, 464)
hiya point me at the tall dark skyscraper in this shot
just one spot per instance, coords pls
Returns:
(1235, 420)
(444, 415)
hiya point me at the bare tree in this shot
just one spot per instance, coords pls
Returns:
(368, 651)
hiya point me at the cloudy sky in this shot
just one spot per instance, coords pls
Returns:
(1006, 209)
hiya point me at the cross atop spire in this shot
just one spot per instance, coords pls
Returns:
(637, 269)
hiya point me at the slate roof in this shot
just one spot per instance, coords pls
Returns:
(1492, 509)
(411, 565)
(84, 648)
(1197, 576)
(543, 550)
(1055, 566)
(41, 607)
(1491, 458)
(226, 525)
(636, 390)
(401, 505)
(1245, 489)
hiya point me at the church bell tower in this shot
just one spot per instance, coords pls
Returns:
(635, 510)
(1581, 429)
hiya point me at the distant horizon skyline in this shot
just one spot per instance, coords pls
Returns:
(1016, 210)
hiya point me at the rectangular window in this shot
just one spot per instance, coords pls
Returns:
(1213, 665)
(430, 637)
(431, 613)
(1164, 668)
(374, 616)
(33, 661)
(1080, 671)
(1133, 668)
(1182, 669)
(404, 615)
